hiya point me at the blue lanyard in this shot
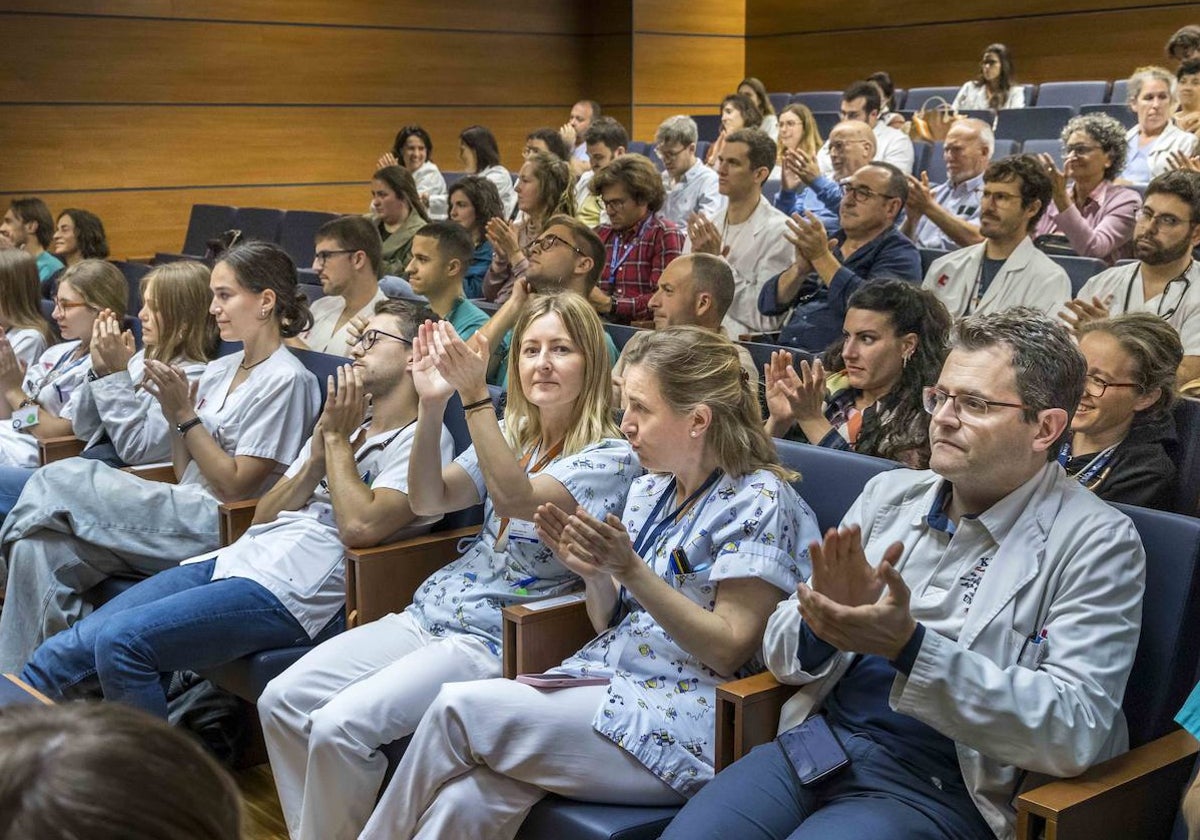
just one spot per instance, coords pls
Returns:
(54, 374)
(620, 261)
(650, 531)
(1093, 467)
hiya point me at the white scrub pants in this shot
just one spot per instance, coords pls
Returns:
(486, 752)
(326, 717)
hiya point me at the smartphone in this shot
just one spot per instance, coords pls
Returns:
(559, 680)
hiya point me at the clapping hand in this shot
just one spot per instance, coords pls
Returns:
(169, 385)
(1058, 180)
(111, 347)
(430, 384)
(920, 195)
(1080, 311)
(798, 168)
(706, 239)
(387, 159)
(503, 236)
(808, 237)
(592, 545)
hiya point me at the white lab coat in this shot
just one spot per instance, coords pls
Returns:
(1172, 139)
(1027, 278)
(1070, 563)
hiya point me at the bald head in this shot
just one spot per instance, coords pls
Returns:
(851, 147)
(967, 149)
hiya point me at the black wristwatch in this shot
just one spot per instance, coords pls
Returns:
(184, 427)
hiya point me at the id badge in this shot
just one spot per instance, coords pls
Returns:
(522, 531)
(813, 750)
(24, 418)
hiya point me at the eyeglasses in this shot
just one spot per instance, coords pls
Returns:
(322, 257)
(614, 205)
(966, 406)
(68, 305)
(548, 241)
(1166, 221)
(371, 337)
(840, 145)
(862, 193)
(1080, 149)
(1094, 386)
(665, 154)
(1000, 197)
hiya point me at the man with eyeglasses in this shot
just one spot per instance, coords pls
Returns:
(638, 242)
(966, 625)
(814, 291)
(1165, 280)
(862, 102)
(348, 262)
(1005, 269)
(946, 217)
(441, 254)
(605, 141)
(691, 186)
(851, 147)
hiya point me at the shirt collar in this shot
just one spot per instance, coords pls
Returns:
(997, 520)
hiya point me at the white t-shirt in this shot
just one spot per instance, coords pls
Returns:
(321, 336)
(1180, 299)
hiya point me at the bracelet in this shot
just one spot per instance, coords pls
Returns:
(477, 404)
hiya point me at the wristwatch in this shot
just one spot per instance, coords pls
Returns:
(184, 427)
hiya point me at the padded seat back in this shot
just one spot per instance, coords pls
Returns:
(1029, 123)
(1186, 454)
(819, 100)
(1079, 269)
(830, 479)
(708, 126)
(206, 222)
(1119, 111)
(297, 233)
(258, 224)
(1072, 94)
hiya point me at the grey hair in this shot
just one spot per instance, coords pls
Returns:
(1047, 364)
(986, 136)
(679, 129)
(1106, 131)
(1145, 74)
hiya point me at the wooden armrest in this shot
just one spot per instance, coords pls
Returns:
(59, 448)
(1132, 795)
(235, 519)
(154, 472)
(747, 715)
(382, 580)
(539, 637)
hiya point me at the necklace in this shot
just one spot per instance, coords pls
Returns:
(245, 366)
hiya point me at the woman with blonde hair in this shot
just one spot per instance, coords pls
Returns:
(37, 400)
(20, 314)
(544, 189)
(1155, 140)
(326, 717)
(679, 588)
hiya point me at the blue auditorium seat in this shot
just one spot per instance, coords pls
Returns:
(819, 100)
(1079, 269)
(1119, 111)
(297, 234)
(1030, 123)
(779, 101)
(1072, 94)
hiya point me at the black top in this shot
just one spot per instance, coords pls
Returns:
(1140, 472)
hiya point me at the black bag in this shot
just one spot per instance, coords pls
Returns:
(218, 245)
(211, 714)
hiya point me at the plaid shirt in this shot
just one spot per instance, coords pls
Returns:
(642, 254)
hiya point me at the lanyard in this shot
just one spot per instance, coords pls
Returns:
(55, 374)
(1187, 283)
(550, 455)
(1094, 466)
(619, 261)
(651, 531)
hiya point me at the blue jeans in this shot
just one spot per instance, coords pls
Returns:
(179, 619)
(12, 482)
(760, 798)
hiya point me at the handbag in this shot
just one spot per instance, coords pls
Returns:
(932, 125)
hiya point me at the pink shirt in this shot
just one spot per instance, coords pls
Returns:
(1103, 229)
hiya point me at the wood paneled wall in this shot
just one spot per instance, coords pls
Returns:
(136, 109)
(824, 44)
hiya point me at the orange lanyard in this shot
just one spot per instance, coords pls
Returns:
(553, 453)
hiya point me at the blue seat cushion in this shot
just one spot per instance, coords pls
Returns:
(555, 817)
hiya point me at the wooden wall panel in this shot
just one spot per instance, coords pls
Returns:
(704, 17)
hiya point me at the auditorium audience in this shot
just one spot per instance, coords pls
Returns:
(80, 521)
(605, 141)
(680, 584)
(21, 321)
(480, 155)
(946, 217)
(860, 102)
(84, 770)
(748, 233)
(547, 141)
(756, 92)
(797, 132)
(29, 226)
(805, 189)
(994, 88)
(1184, 45)
(1091, 214)
(574, 133)
(964, 626)
(326, 717)
(1187, 78)
(441, 252)
(544, 189)
(282, 582)
(638, 242)
(737, 112)
(474, 201)
(349, 263)
(1118, 435)
(413, 149)
(37, 400)
(887, 99)
(1005, 269)
(892, 347)
(691, 185)
(397, 212)
(1165, 280)
(812, 293)
(1155, 139)
(79, 235)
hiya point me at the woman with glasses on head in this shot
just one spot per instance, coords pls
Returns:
(398, 213)
(893, 344)
(326, 717)
(544, 189)
(480, 155)
(993, 89)
(1123, 424)
(1155, 141)
(413, 150)
(474, 202)
(1089, 213)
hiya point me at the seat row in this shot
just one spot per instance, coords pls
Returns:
(1069, 94)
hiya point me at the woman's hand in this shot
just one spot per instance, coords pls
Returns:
(1058, 180)
(809, 400)
(431, 386)
(799, 168)
(550, 521)
(503, 236)
(169, 385)
(12, 371)
(605, 546)
(111, 347)
(461, 365)
(780, 378)
(387, 159)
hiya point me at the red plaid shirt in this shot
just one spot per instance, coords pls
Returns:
(640, 255)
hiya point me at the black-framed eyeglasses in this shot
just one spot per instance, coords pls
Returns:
(369, 338)
(548, 241)
(965, 405)
(322, 257)
(1095, 387)
(862, 193)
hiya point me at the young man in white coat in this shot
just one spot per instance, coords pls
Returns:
(1004, 270)
(966, 625)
